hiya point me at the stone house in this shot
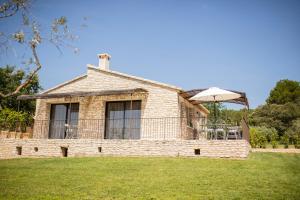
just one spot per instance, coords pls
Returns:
(104, 112)
(105, 104)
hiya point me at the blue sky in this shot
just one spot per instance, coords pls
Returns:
(240, 45)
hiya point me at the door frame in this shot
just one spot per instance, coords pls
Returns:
(67, 118)
(124, 115)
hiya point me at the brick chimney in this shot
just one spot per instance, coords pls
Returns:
(104, 61)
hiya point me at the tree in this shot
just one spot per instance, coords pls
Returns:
(30, 35)
(282, 108)
(10, 78)
(278, 116)
(234, 117)
(210, 107)
(224, 115)
(285, 91)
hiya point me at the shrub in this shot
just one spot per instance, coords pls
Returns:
(262, 140)
(258, 137)
(12, 120)
(285, 140)
(294, 133)
(253, 137)
(274, 144)
(273, 137)
(297, 144)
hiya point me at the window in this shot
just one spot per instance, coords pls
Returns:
(63, 121)
(123, 120)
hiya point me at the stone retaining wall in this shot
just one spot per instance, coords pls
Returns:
(87, 147)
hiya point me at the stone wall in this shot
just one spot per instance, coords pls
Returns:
(87, 147)
(160, 102)
(193, 120)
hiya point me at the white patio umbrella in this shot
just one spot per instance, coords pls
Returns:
(214, 95)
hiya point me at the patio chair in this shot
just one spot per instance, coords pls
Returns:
(233, 133)
(220, 134)
(71, 132)
(210, 133)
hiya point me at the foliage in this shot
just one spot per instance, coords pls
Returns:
(285, 91)
(259, 136)
(10, 78)
(213, 111)
(274, 144)
(293, 133)
(12, 120)
(253, 137)
(282, 108)
(29, 36)
(233, 117)
(274, 115)
(272, 136)
(285, 140)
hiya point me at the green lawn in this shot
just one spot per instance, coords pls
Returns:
(261, 176)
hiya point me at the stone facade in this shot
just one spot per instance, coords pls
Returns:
(161, 101)
(193, 120)
(10, 148)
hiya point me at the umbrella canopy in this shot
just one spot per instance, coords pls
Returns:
(215, 94)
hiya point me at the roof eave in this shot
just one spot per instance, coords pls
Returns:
(82, 94)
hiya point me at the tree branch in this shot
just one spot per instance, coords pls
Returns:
(30, 77)
(14, 10)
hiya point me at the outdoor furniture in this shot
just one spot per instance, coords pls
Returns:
(223, 132)
(216, 134)
(210, 133)
(233, 133)
(220, 134)
(71, 131)
(216, 95)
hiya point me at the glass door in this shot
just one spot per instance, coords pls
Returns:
(72, 119)
(123, 119)
(63, 121)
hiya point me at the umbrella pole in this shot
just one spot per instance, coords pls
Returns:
(215, 114)
(215, 118)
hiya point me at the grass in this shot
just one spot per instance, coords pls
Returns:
(261, 176)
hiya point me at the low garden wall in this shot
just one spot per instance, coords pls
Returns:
(276, 150)
(15, 148)
(14, 134)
